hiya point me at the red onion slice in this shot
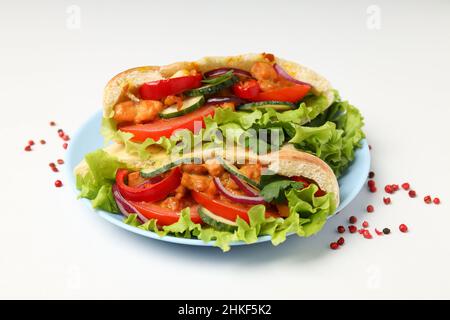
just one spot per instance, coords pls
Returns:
(235, 197)
(221, 100)
(221, 71)
(282, 73)
(246, 188)
(124, 206)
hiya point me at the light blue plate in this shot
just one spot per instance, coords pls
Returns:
(88, 139)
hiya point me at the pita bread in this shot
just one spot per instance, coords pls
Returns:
(130, 80)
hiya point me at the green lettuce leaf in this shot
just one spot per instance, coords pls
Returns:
(96, 183)
(275, 190)
(312, 211)
(133, 220)
(222, 239)
(110, 133)
(333, 136)
(307, 216)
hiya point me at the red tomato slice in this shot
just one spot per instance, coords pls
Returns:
(164, 216)
(165, 127)
(153, 192)
(247, 89)
(289, 94)
(224, 209)
(159, 89)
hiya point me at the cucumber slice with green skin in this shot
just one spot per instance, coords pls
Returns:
(189, 105)
(234, 170)
(151, 173)
(213, 88)
(216, 221)
(276, 105)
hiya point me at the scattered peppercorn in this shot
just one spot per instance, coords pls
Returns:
(412, 193)
(52, 123)
(427, 199)
(386, 230)
(405, 186)
(352, 229)
(403, 228)
(370, 147)
(365, 224)
(334, 245)
(54, 169)
(367, 234)
(370, 208)
(28, 148)
(66, 137)
(371, 183)
(373, 189)
(341, 229)
(395, 187)
(65, 145)
(371, 174)
(52, 165)
(436, 201)
(352, 220)
(31, 143)
(341, 241)
(386, 200)
(43, 142)
(388, 189)
(58, 184)
(60, 161)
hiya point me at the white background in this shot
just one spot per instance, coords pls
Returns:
(52, 247)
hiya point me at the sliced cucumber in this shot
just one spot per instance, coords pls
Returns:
(213, 88)
(276, 105)
(151, 173)
(215, 221)
(233, 170)
(189, 105)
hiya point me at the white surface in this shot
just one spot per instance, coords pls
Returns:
(397, 75)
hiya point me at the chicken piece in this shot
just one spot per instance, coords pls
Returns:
(228, 183)
(194, 168)
(180, 192)
(195, 182)
(171, 203)
(135, 179)
(212, 189)
(137, 112)
(264, 71)
(268, 56)
(252, 171)
(267, 77)
(214, 169)
(283, 210)
(171, 100)
(125, 112)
